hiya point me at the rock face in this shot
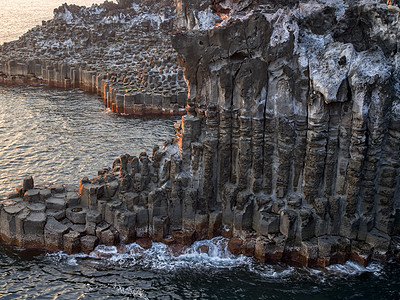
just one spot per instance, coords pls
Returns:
(291, 144)
(120, 51)
(297, 125)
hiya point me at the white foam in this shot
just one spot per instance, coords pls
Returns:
(353, 269)
(159, 257)
(130, 292)
(203, 256)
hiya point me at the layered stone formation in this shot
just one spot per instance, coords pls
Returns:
(290, 146)
(120, 51)
(297, 142)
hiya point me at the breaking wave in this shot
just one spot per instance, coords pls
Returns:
(203, 256)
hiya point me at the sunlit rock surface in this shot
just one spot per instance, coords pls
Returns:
(120, 51)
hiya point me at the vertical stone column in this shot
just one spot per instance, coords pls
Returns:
(176, 197)
(376, 129)
(235, 146)
(316, 148)
(106, 91)
(191, 132)
(224, 148)
(344, 139)
(210, 154)
(334, 111)
(365, 68)
(387, 198)
(269, 153)
(257, 155)
(119, 103)
(245, 153)
(285, 148)
(301, 96)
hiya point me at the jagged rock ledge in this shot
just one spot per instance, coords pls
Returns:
(120, 51)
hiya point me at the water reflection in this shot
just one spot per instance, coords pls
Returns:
(62, 136)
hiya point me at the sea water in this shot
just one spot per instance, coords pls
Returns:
(18, 16)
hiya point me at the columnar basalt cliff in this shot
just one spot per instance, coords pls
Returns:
(121, 51)
(291, 144)
(296, 135)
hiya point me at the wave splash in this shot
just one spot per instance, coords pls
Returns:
(203, 256)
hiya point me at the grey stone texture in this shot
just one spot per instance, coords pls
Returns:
(297, 120)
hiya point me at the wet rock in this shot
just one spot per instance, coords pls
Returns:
(109, 237)
(34, 230)
(201, 226)
(176, 249)
(72, 243)
(8, 221)
(53, 234)
(268, 250)
(249, 247)
(235, 246)
(27, 183)
(145, 243)
(88, 243)
(184, 237)
(361, 253)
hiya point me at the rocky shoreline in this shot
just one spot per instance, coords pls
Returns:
(120, 99)
(290, 146)
(120, 51)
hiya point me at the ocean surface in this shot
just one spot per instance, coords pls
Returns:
(61, 136)
(18, 16)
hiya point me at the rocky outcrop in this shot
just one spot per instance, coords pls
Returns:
(290, 145)
(120, 51)
(297, 107)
